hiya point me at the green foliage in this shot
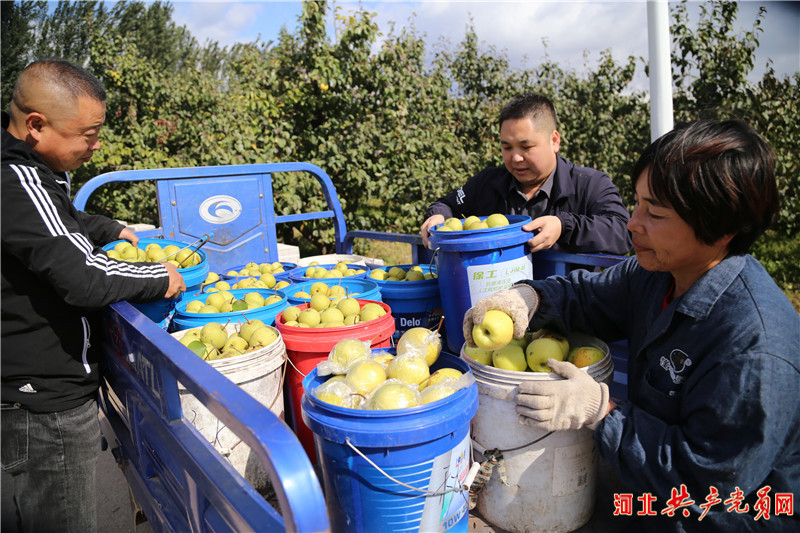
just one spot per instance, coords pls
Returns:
(395, 123)
(17, 41)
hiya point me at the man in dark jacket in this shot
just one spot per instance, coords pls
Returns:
(55, 280)
(574, 208)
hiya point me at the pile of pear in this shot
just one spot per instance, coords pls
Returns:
(221, 300)
(361, 379)
(340, 270)
(531, 352)
(397, 273)
(495, 220)
(253, 269)
(154, 253)
(329, 306)
(215, 341)
(213, 283)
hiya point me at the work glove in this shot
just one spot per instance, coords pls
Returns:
(557, 405)
(519, 302)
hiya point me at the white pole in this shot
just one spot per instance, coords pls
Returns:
(658, 43)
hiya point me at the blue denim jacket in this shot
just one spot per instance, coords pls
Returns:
(713, 385)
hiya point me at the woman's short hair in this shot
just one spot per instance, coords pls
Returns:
(718, 176)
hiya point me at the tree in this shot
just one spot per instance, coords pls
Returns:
(17, 41)
(395, 124)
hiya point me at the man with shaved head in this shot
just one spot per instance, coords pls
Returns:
(55, 280)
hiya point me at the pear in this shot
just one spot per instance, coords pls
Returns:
(235, 343)
(268, 279)
(249, 327)
(409, 369)
(194, 306)
(364, 376)
(214, 333)
(190, 335)
(268, 301)
(393, 395)
(320, 301)
(291, 313)
(262, 337)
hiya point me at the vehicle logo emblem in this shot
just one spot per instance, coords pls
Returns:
(220, 209)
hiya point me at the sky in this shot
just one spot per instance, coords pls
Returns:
(575, 31)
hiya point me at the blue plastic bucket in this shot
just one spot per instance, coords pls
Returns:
(477, 263)
(426, 447)
(299, 273)
(414, 303)
(361, 289)
(287, 267)
(160, 311)
(182, 319)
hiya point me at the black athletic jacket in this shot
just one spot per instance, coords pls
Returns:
(55, 279)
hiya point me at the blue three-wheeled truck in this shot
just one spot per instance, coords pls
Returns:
(180, 481)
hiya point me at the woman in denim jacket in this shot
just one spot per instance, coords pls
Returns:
(711, 425)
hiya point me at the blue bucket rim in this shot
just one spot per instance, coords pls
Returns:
(180, 307)
(403, 426)
(483, 239)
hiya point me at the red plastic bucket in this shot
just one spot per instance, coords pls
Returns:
(306, 347)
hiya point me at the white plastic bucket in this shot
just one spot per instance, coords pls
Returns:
(260, 374)
(551, 483)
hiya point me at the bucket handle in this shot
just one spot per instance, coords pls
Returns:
(473, 471)
(295, 368)
(433, 258)
(480, 448)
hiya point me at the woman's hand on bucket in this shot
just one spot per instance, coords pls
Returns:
(571, 403)
(177, 286)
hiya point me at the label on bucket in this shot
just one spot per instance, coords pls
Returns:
(572, 467)
(444, 511)
(485, 280)
(424, 319)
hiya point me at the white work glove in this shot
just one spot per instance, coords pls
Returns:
(519, 302)
(557, 405)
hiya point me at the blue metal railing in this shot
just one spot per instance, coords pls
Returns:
(179, 479)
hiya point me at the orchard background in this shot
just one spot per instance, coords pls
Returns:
(395, 126)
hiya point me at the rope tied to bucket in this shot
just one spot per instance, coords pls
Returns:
(462, 488)
(495, 459)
